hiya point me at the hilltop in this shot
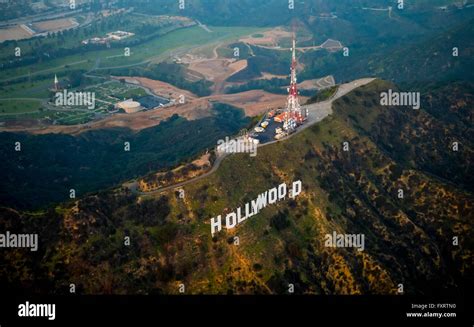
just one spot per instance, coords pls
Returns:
(408, 240)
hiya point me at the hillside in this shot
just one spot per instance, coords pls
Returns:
(413, 59)
(50, 165)
(407, 240)
(264, 13)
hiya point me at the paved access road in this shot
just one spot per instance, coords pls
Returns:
(316, 112)
(320, 110)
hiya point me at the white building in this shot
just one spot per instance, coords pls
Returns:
(129, 106)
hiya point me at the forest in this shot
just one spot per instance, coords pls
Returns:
(52, 164)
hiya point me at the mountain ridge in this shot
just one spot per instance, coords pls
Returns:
(408, 241)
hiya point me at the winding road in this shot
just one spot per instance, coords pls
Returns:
(316, 113)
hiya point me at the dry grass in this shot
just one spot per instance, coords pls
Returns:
(253, 103)
(14, 33)
(270, 38)
(55, 24)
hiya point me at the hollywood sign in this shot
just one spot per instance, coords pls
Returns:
(253, 207)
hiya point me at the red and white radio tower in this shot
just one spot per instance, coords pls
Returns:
(294, 115)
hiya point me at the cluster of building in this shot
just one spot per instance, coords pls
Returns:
(112, 36)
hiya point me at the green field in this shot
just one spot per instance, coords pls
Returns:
(154, 50)
(132, 93)
(33, 89)
(72, 39)
(40, 76)
(179, 40)
(106, 95)
(19, 106)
